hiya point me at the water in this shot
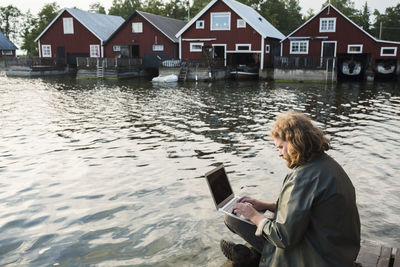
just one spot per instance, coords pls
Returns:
(110, 173)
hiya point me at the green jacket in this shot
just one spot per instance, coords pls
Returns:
(316, 222)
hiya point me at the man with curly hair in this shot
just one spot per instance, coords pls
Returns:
(315, 222)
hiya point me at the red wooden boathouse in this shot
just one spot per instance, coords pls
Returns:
(330, 34)
(147, 36)
(75, 33)
(7, 48)
(233, 32)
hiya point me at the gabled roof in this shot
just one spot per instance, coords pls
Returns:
(5, 43)
(168, 26)
(101, 25)
(337, 10)
(252, 17)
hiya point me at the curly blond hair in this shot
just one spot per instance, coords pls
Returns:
(304, 140)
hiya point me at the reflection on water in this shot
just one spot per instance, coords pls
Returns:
(110, 173)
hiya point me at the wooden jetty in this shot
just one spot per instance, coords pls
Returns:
(370, 255)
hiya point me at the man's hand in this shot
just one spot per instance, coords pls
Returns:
(246, 210)
(257, 204)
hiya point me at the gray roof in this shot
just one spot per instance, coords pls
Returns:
(5, 43)
(251, 16)
(101, 25)
(166, 25)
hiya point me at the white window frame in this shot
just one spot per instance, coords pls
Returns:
(350, 46)
(116, 48)
(240, 23)
(139, 29)
(158, 47)
(267, 49)
(192, 49)
(299, 44)
(237, 47)
(200, 24)
(327, 20)
(95, 48)
(214, 14)
(46, 50)
(7, 52)
(68, 25)
(389, 55)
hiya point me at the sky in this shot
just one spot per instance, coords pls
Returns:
(36, 5)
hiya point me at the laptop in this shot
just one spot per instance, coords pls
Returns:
(222, 193)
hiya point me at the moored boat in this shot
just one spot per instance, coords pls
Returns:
(244, 72)
(351, 67)
(385, 68)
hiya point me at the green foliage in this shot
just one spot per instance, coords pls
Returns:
(124, 8)
(197, 6)
(33, 27)
(390, 23)
(9, 20)
(97, 7)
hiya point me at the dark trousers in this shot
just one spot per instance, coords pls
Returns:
(246, 231)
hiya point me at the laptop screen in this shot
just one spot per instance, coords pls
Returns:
(219, 184)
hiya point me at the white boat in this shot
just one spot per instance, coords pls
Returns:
(243, 72)
(351, 67)
(165, 79)
(384, 68)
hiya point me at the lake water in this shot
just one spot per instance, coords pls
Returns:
(110, 173)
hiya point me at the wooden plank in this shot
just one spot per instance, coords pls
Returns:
(397, 258)
(369, 254)
(384, 258)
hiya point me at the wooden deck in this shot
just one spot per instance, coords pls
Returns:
(370, 255)
(373, 255)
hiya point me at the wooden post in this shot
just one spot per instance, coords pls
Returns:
(380, 31)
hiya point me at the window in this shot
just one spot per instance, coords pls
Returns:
(68, 24)
(137, 27)
(267, 49)
(158, 47)
(7, 52)
(116, 48)
(243, 47)
(327, 24)
(298, 47)
(388, 51)
(200, 24)
(46, 50)
(221, 21)
(94, 51)
(355, 49)
(196, 47)
(241, 23)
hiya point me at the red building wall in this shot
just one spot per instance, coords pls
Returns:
(346, 33)
(5, 56)
(145, 40)
(234, 36)
(77, 43)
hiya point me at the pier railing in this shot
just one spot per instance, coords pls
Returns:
(108, 63)
(193, 63)
(34, 62)
(309, 63)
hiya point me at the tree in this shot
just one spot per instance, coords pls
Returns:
(33, 27)
(345, 6)
(196, 7)
(29, 34)
(176, 9)
(309, 14)
(124, 8)
(155, 7)
(9, 17)
(390, 23)
(283, 14)
(362, 18)
(96, 7)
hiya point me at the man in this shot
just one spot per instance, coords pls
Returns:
(316, 221)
